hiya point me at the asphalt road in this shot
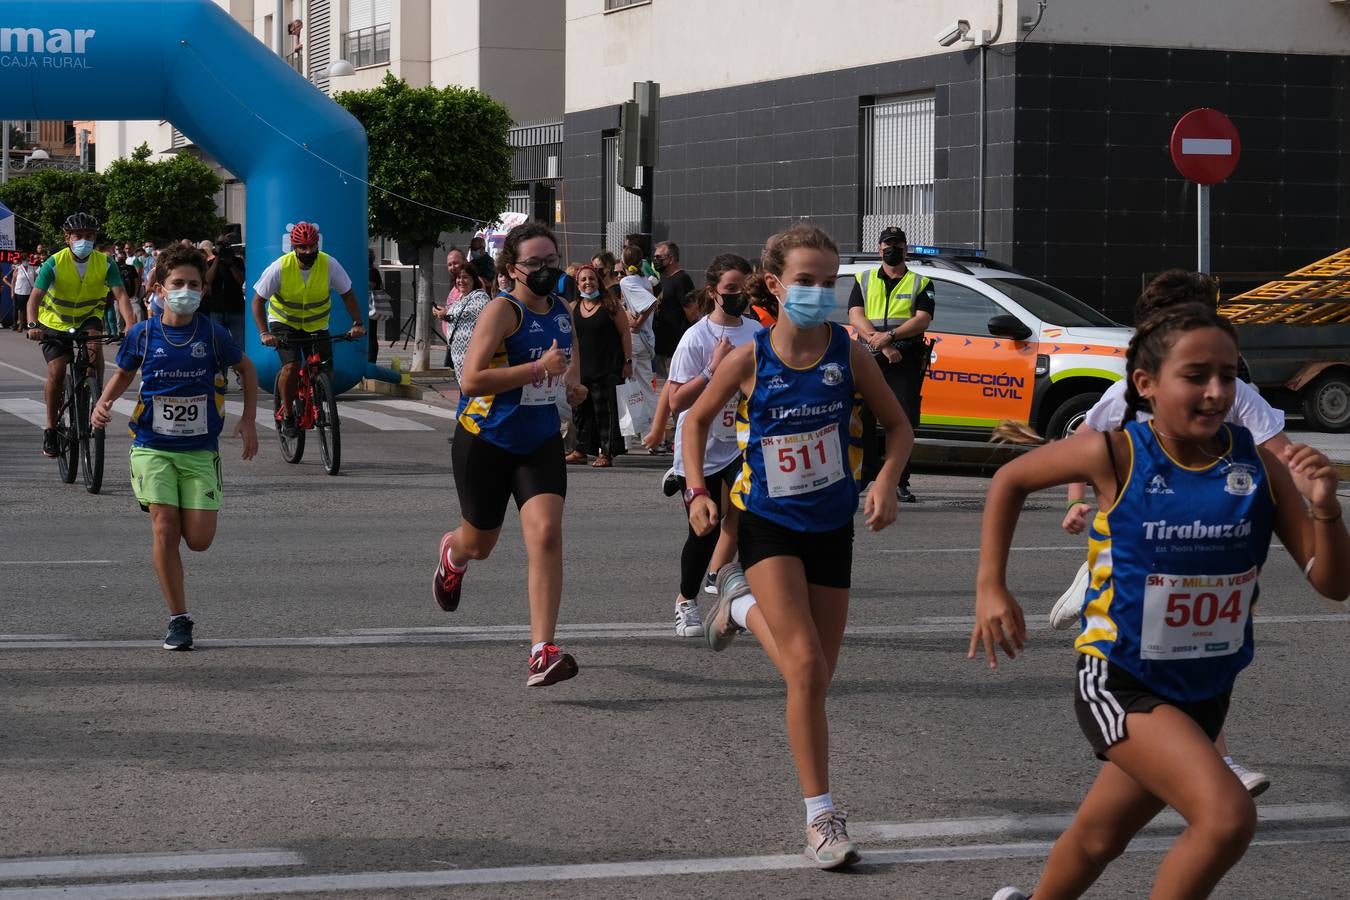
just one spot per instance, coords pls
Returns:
(336, 734)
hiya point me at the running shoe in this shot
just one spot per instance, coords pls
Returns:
(447, 582)
(1011, 893)
(671, 484)
(1255, 782)
(51, 446)
(549, 666)
(827, 843)
(1069, 606)
(902, 495)
(710, 584)
(720, 629)
(688, 619)
(179, 635)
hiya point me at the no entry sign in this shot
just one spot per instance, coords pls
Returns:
(1205, 146)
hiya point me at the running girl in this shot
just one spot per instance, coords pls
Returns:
(801, 383)
(175, 460)
(519, 363)
(1187, 508)
(701, 351)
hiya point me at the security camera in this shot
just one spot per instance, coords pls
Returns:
(953, 33)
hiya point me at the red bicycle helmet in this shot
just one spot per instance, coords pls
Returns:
(305, 234)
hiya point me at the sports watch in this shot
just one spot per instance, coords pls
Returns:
(692, 492)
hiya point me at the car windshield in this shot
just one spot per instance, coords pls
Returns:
(1050, 304)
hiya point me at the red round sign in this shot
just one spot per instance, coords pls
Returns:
(1205, 146)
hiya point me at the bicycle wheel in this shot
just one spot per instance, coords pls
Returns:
(91, 438)
(68, 430)
(292, 449)
(326, 420)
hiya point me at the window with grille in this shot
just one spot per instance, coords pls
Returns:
(366, 40)
(621, 210)
(897, 168)
(611, 5)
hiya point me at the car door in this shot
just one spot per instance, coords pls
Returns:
(974, 380)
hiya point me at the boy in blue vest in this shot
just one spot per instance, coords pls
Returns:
(175, 461)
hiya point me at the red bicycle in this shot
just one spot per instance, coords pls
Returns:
(314, 407)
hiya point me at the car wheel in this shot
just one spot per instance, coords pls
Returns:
(1326, 402)
(1069, 415)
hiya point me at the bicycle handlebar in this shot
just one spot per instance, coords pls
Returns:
(341, 338)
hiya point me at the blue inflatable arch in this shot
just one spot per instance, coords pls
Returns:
(189, 62)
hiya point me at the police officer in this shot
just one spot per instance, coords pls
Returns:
(891, 308)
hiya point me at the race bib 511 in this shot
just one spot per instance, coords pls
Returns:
(796, 464)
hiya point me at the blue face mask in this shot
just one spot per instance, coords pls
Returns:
(184, 302)
(82, 249)
(590, 295)
(808, 305)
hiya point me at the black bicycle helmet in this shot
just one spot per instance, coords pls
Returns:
(80, 221)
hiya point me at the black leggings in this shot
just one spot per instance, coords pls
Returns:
(905, 379)
(698, 551)
(595, 418)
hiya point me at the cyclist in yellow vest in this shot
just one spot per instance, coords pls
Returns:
(891, 308)
(68, 295)
(294, 292)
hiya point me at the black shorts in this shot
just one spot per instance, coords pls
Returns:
(299, 342)
(826, 555)
(60, 345)
(1105, 693)
(486, 476)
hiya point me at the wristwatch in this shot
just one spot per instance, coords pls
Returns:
(690, 493)
(32, 325)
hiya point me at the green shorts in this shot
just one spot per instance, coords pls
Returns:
(187, 479)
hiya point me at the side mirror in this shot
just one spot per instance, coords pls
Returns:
(1007, 326)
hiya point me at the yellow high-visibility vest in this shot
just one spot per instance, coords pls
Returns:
(299, 303)
(887, 311)
(72, 299)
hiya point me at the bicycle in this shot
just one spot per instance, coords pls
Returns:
(315, 406)
(78, 439)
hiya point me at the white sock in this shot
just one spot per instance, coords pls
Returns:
(450, 560)
(1228, 761)
(740, 609)
(537, 647)
(817, 805)
(680, 601)
(181, 616)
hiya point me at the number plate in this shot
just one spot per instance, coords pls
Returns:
(546, 394)
(796, 464)
(724, 426)
(180, 416)
(1195, 616)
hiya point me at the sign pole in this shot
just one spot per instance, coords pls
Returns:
(1202, 220)
(4, 164)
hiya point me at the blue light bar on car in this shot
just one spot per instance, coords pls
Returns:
(926, 250)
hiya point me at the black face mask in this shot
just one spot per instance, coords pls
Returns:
(658, 265)
(893, 256)
(307, 259)
(734, 304)
(542, 281)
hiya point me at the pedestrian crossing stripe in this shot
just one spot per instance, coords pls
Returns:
(363, 413)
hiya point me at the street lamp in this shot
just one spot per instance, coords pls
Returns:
(340, 68)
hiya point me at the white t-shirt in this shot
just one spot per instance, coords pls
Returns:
(692, 356)
(23, 279)
(1249, 410)
(638, 298)
(270, 281)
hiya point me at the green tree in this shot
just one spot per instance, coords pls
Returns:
(44, 200)
(163, 201)
(446, 148)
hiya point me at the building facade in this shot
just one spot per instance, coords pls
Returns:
(1040, 133)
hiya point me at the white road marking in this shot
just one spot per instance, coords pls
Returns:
(55, 562)
(36, 637)
(492, 634)
(261, 416)
(379, 420)
(440, 412)
(1080, 548)
(393, 881)
(1020, 825)
(32, 375)
(32, 411)
(141, 863)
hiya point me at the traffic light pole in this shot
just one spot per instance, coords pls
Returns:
(648, 176)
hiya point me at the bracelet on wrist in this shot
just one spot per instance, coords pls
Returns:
(534, 373)
(1326, 520)
(1072, 503)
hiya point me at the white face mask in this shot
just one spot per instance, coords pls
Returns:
(184, 302)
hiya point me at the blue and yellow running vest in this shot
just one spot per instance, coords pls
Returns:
(1174, 563)
(801, 433)
(523, 418)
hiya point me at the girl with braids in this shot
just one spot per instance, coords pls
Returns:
(1187, 507)
(701, 351)
(1266, 423)
(800, 385)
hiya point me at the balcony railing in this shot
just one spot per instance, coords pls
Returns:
(366, 46)
(295, 59)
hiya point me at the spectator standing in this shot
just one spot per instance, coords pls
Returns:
(675, 290)
(639, 396)
(225, 287)
(21, 282)
(380, 307)
(454, 264)
(891, 308)
(606, 360)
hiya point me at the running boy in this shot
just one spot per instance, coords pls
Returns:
(182, 358)
(798, 424)
(1187, 508)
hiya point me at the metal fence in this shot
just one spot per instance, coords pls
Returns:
(620, 4)
(896, 144)
(620, 209)
(536, 151)
(366, 46)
